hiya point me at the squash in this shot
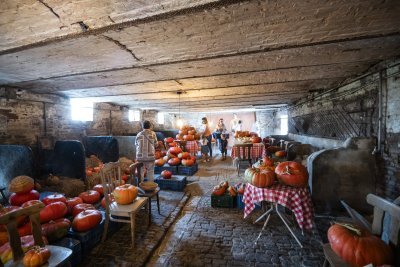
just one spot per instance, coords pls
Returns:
(36, 256)
(292, 173)
(21, 184)
(358, 247)
(125, 194)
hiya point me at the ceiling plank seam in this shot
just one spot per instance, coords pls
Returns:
(124, 47)
(50, 8)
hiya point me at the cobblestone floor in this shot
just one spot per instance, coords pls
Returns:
(117, 251)
(205, 236)
(200, 235)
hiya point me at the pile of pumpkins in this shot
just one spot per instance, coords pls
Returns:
(223, 188)
(174, 157)
(288, 173)
(250, 136)
(187, 133)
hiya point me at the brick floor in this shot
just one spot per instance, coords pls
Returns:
(200, 235)
(205, 236)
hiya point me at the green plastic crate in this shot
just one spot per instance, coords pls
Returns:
(224, 201)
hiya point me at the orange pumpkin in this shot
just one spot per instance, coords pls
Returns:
(187, 162)
(256, 139)
(174, 161)
(232, 191)
(218, 190)
(280, 153)
(260, 178)
(125, 194)
(358, 247)
(159, 162)
(36, 256)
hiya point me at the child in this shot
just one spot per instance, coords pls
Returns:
(204, 149)
(223, 145)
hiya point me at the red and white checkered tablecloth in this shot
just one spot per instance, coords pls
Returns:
(298, 200)
(192, 147)
(257, 151)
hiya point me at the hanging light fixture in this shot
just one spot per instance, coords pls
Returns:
(179, 122)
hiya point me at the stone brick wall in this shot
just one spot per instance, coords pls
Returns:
(269, 122)
(352, 111)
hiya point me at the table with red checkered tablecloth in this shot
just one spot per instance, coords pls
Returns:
(192, 147)
(298, 200)
(257, 151)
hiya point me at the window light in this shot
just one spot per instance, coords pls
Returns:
(81, 109)
(284, 124)
(134, 115)
(160, 118)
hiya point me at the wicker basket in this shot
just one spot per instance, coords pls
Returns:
(148, 186)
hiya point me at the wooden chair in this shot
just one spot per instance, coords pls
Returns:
(111, 178)
(136, 179)
(59, 255)
(245, 156)
(382, 209)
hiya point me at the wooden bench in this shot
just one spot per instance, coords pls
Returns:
(382, 208)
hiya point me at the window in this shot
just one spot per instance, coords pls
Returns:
(160, 118)
(134, 115)
(284, 124)
(81, 109)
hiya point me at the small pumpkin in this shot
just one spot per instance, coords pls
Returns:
(86, 220)
(166, 174)
(36, 256)
(54, 198)
(125, 194)
(232, 191)
(17, 199)
(90, 196)
(21, 184)
(187, 162)
(53, 211)
(81, 207)
(56, 229)
(99, 188)
(218, 190)
(26, 243)
(72, 202)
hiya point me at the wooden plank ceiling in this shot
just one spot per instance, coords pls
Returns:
(239, 54)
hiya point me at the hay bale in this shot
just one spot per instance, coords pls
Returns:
(92, 180)
(124, 164)
(71, 187)
(93, 161)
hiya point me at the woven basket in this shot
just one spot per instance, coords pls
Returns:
(148, 186)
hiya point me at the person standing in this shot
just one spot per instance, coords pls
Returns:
(219, 129)
(234, 123)
(205, 132)
(146, 142)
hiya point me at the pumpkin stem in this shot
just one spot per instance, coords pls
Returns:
(350, 227)
(287, 170)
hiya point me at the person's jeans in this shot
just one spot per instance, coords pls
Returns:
(149, 165)
(209, 138)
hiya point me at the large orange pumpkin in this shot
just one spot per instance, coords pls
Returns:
(358, 247)
(292, 173)
(125, 194)
(260, 178)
